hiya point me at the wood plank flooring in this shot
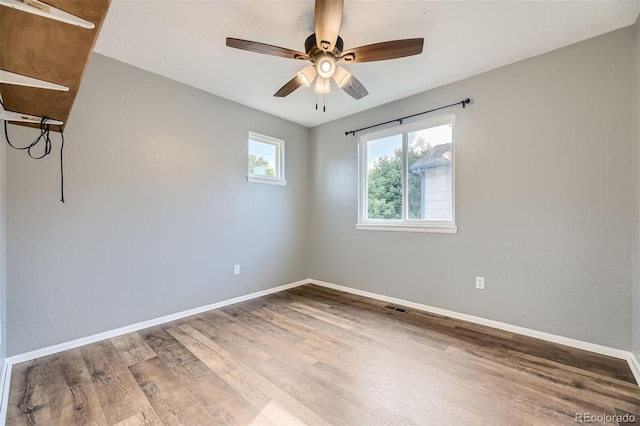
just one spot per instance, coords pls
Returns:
(316, 356)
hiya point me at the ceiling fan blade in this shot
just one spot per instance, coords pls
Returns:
(385, 50)
(266, 49)
(289, 87)
(354, 88)
(328, 17)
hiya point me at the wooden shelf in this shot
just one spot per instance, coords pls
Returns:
(48, 50)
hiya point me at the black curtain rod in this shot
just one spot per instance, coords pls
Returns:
(399, 120)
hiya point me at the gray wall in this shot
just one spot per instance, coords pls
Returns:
(635, 252)
(158, 210)
(543, 177)
(3, 252)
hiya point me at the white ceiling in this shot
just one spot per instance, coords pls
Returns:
(185, 41)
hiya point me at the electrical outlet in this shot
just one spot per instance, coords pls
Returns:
(236, 269)
(480, 283)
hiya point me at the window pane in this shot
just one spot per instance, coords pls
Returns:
(430, 173)
(262, 158)
(384, 178)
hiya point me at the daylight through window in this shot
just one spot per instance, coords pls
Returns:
(407, 177)
(266, 159)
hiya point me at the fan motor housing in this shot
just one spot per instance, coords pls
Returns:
(312, 49)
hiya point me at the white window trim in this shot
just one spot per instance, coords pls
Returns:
(266, 180)
(279, 179)
(404, 225)
(440, 229)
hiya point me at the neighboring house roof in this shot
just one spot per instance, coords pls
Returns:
(434, 158)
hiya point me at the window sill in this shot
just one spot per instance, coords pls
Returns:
(445, 229)
(268, 181)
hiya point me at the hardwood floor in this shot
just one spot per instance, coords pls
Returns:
(318, 356)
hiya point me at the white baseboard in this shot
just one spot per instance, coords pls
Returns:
(634, 365)
(5, 379)
(592, 347)
(567, 341)
(50, 350)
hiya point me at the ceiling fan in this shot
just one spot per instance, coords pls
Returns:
(324, 49)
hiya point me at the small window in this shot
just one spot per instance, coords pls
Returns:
(407, 178)
(266, 160)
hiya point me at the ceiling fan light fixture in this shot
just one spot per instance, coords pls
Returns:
(326, 66)
(307, 75)
(322, 85)
(325, 49)
(341, 77)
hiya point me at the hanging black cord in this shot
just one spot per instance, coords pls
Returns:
(43, 136)
(61, 164)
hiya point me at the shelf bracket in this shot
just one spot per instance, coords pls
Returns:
(42, 9)
(7, 77)
(24, 118)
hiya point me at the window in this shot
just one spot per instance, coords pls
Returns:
(407, 178)
(266, 160)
